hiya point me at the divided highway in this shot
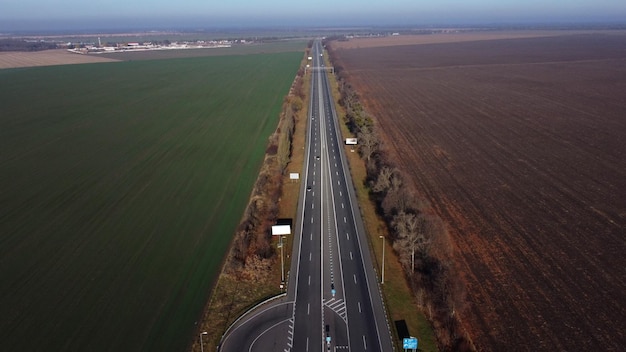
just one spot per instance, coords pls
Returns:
(333, 300)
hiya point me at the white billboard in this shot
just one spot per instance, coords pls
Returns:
(350, 141)
(281, 230)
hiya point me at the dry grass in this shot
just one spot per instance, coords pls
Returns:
(14, 59)
(231, 297)
(291, 189)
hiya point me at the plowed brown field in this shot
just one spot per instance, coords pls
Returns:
(520, 145)
(13, 59)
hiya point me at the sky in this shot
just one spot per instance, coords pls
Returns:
(57, 14)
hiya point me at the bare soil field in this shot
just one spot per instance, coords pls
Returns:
(13, 59)
(455, 36)
(519, 144)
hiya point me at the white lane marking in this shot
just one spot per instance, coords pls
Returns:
(351, 257)
(312, 205)
(310, 256)
(310, 280)
(337, 172)
(307, 343)
(338, 183)
(342, 206)
(311, 236)
(364, 343)
(340, 194)
(348, 237)
(344, 220)
(353, 276)
(308, 308)
(360, 311)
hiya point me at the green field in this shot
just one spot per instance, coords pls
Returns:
(120, 188)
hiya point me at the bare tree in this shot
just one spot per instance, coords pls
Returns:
(416, 228)
(397, 200)
(368, 141)
(395, 180)
(401, 240)
(383, 181)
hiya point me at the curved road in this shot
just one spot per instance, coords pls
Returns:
(333, 300)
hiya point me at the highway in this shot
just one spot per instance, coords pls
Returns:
(333, 300)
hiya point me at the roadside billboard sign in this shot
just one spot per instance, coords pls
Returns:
(281, 230)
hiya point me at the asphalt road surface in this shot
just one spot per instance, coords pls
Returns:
(333, 300)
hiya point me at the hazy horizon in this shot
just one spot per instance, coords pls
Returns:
(43, 15)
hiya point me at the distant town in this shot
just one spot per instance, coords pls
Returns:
(100, 48)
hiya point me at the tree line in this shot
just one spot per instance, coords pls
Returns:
(23, 45)
(418, 235)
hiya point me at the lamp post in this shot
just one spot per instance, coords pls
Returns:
(202, 342)
(282, 262)
(382, 281)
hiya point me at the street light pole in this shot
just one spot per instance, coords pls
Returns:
(282, 262)
(383, 270)
(202, 342)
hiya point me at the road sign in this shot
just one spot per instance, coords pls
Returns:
(409, 343)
